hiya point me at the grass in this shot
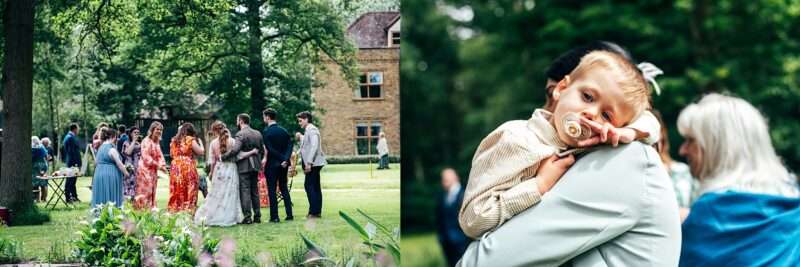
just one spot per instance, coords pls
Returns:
(422, 250)
(345, 187)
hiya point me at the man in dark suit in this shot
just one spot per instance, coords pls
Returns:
(279, 150)
(247, 139)
(72, 156)
(452, 239)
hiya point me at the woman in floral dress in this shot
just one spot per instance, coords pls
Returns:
(132, 152)
(183, 178)
(147, 172)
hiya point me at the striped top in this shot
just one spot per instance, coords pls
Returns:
(502, 179)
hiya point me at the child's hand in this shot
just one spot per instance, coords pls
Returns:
(607, 133)
(550, 171)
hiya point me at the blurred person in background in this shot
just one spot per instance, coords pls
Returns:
(451, 237)
(685, 185)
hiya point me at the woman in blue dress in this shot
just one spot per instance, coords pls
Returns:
(109, 171)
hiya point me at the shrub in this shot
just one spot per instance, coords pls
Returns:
(105, 242)
(122, 237)
(30, 216)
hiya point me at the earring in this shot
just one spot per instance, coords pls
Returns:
(556, 94)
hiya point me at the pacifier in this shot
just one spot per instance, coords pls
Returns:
(571, 123)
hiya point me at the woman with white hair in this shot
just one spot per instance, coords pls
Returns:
(39, 168)
(748, 210)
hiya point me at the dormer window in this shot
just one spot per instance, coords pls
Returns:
(395, 39)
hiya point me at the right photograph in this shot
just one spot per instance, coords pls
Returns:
(611, 133)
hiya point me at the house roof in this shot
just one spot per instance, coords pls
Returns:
(369, 30)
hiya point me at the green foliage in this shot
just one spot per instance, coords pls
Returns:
(378, 238)
(10, 251)
(59, 252)
(105, 242)
(130, 238)
(482, 63)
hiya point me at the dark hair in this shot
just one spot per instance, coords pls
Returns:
(244, 117)
(121, 128)
(186, 129)
(134, 128)
(564, 64)
(270, 113)
(107, 133)
(73, 126)
(305, 115)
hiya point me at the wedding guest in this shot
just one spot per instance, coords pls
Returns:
(109, 171)
(123, 136)
(151, 161)
(72, 156)
(39, 167)
(313, 161)
(452, 239)
(279, 152)
(748, 208)
(383, 152)
(132, 152)
(183, 177)
(51, 153)
(96, 140)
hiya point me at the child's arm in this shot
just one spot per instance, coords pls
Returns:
(646, 129)
(501, 182)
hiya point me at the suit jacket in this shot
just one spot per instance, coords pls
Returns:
(278, 143)
(246, 140)
(447, 228)
(613, 207)
(72, 150)
(311, 150)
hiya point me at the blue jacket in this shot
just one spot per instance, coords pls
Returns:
(72, 150)
(742, 229)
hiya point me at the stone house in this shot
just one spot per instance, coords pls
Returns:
(353, 117)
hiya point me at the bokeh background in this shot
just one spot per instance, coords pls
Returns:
(467, 66)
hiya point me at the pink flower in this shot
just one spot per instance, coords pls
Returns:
(383, 259)
(205, 260)
(128, 227)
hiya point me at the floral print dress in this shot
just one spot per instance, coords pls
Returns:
(183, 178)
(147, 174)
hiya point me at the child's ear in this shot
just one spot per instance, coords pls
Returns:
(561, 86)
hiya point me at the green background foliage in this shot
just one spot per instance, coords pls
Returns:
(468, 66)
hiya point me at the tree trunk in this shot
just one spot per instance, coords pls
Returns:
(255, 62)
(15, 175)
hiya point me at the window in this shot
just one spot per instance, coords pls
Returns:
(367, 137)
(395, 38)
(369, 85)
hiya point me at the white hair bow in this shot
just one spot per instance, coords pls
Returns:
(650, 71)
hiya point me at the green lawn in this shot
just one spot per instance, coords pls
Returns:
(421, 250)
(345, 187)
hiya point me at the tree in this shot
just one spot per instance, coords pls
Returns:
(15, 180)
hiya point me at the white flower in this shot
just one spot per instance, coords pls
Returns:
(93, 231)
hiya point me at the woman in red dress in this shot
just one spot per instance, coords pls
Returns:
(183, 178)
(147, 173)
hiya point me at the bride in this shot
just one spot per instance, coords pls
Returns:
(222, 207)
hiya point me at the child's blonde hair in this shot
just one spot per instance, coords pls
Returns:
(629, 79)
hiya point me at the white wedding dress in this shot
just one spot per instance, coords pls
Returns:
(222, 206)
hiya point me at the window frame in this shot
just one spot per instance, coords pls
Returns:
(369, 123)
(357, 91)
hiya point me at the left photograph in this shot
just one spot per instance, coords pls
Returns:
(200, 133)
